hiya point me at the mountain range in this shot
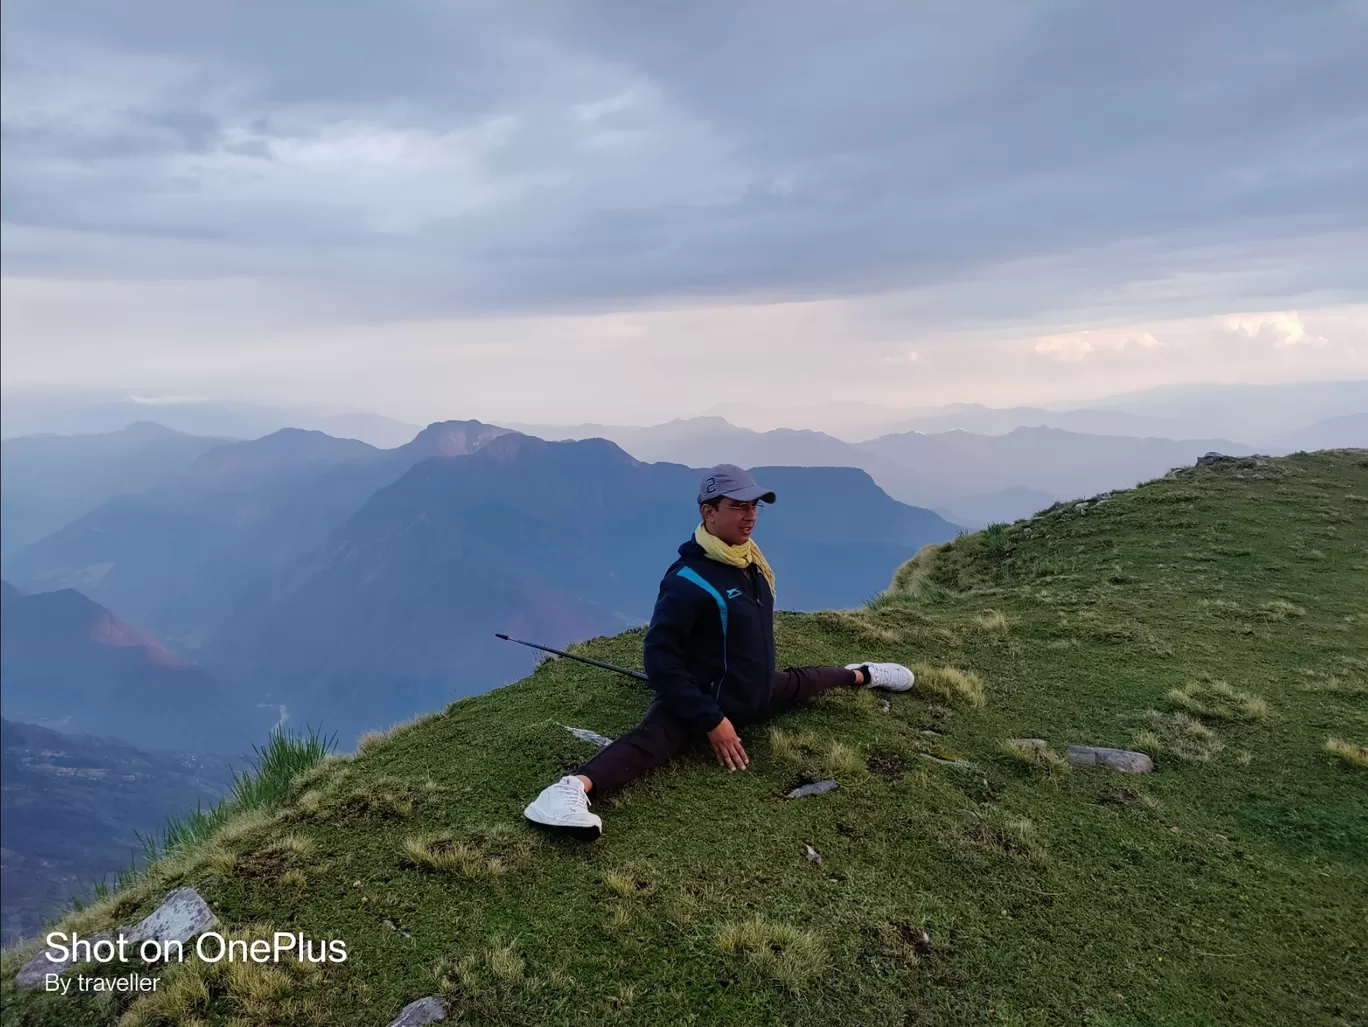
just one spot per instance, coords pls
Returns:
(970, 479)
(1260, 415)
(345, 584)
(47, 481)
(552, 541)
(35, 411)
(174, 557)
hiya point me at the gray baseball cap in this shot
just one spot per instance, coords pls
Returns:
(734, 483)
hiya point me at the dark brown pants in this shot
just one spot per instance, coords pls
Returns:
(661, 735)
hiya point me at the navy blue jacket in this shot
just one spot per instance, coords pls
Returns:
(710, 648)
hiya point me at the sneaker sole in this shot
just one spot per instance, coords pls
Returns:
(588, 832)
(886, 688)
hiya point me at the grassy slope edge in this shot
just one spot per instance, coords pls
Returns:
(1227, 887)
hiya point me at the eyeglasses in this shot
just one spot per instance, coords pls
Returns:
(732, 504)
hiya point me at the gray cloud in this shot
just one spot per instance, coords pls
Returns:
(430, 159)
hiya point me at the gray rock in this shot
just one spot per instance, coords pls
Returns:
(585, 735)
(1117, 759)
(1081, 507)
(816, 788)
(31, 974)
(182, 916)
(425, 1010)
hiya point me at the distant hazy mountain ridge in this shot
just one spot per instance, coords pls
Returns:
(971, 479)
(70, 664)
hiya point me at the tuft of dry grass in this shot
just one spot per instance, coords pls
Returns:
(913, 579)
(618, 920)
(251, 992)
(993, 830)
(993, 622)
(1332, 683)
(1180, 735)
(816, 756)
(274, 858)
(389, 797)
(1127, 797)
(1039, 759)
(504, 963)
(626, 884)
(842, 759)
(1351, 753)
(1218, 700)
(1281, 609)
(955, 686)
(782, 952)
(368, 742)
(859, 623)
(483, 853)
(491, 983)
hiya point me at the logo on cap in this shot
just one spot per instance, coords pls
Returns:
(711, 486)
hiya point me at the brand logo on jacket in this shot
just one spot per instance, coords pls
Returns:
(732, 593)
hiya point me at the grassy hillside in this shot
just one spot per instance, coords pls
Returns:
(1217, 618)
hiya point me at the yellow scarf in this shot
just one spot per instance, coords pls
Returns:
(738, 556)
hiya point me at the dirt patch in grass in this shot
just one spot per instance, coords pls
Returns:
(904, 943)
(886, 763)
(273, 860)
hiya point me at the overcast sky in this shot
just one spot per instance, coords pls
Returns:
(635, 210)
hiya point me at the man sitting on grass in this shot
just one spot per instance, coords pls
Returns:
(709, 654)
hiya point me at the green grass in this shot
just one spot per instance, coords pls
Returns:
(1225, 890)
(286, 755)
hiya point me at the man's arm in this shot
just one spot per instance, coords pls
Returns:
(672, 622)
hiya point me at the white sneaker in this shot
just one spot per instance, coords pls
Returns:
(893, 677)
(564, 804)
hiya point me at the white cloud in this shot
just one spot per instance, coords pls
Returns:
(1077, 346)
(1282, 329)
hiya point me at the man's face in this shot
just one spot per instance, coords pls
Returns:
(730, 520)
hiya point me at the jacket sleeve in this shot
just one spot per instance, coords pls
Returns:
(672, 622)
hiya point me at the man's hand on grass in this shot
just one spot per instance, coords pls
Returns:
(727, 746)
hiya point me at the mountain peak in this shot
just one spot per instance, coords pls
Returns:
(451, 438)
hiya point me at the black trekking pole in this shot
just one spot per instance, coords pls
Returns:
(583, 659)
